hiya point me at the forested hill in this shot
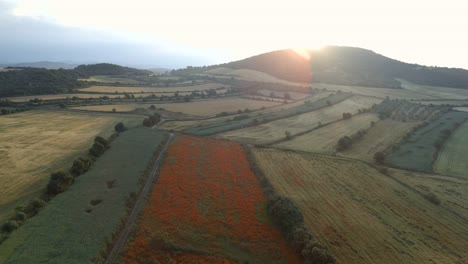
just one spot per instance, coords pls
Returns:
(350, 66)
(108, 69)
(34, 81)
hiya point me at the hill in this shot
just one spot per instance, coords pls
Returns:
(108, 69)
(42, 64)
(350, 66)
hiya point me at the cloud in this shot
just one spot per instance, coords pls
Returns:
(28, 39)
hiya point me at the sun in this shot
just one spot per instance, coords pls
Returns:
(304, 53)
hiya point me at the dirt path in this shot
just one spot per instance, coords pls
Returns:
(140, 202)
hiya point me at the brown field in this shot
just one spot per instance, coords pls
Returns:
(451, 191)
(324, 139)
(377, 92)
(438, 92)
(120, 89)
(35, 143)
(275, 130)
(383, 135)
(363, 215)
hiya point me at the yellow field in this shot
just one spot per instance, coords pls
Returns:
(120, 89)
(377, 92)
(275, 130)
(363, 215)
(325, 139)
(35, 143)
(247, 75)
(117, 107)
(453, 192)
(384, 134)
(438, 92)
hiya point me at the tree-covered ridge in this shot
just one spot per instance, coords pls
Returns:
(108, 69)
(35, 81)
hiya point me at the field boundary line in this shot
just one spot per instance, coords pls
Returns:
(114, 253)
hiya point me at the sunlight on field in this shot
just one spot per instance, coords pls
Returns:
(438, 92)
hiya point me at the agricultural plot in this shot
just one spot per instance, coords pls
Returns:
(461, 109)
(418, 151)
(452, 159)
(376, 92)
(110, 79)
(451, 191)
(380, 137)
(363, 215)
(207, 202)
(276, 130)
(133, 89)
(35, 143)
(19, 99)
(437, 92)
(76, 224)
(282, 94)
(324, 139)
(262, 118)
(247, 75)
(443, 102)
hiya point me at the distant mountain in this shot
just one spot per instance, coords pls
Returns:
(108, 69)
(42, 64)
(350, 66)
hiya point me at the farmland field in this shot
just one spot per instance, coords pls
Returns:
(60, 96)
(110, 79)
(452, 159)
(438, 92)
(462, 109)
(281, 94)
(247, 75)
(363, 215)
(443, 102)
(275, 130)
(130, 89)
(76, 224)
(324, 139)
(207, 202)
(35, 143)
(380, 137)
(417, 152)
(377, 92)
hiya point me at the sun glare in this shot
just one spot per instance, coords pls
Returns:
(304, 53)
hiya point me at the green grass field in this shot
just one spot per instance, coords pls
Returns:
(417, 152)
(452, 159)
(70, 229)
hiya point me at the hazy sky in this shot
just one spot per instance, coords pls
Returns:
(213, 31)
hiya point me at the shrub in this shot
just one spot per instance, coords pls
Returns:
(59, 182)
(80, 166)
(432, 198)
(120, 127)
(344, 143)
(102, 141)
(97, 149)
(10, 226)
(152, 120)
(20, 216)
(379, 157)
(285, 213)
(314, 252)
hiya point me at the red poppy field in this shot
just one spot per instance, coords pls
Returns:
(207, 207)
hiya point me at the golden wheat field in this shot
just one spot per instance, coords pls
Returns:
(438, 92)
(60, 96)
(380, 137)
(276, 130)
(363, 215)
(35, 143)
(324, 139)
(130, 89)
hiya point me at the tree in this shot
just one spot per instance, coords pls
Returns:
(114, 110)
(344, 143)
(287, 96)
(10, 226)
(59, 182)
(152, 107)
(379, 157)
(102, 141)
(33, 207)
(288, 134)
(120, 127)
(97, 149)
(80, 166)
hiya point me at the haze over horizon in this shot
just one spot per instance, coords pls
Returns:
(179, 33)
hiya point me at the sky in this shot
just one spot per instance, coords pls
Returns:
(176, 33)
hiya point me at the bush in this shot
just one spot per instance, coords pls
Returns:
(314, 252)
(59, 182)
(97, 149)
(152, 120)
(102, 141)
(285, 213)
(80, 166)
(20, 217)
(432, 198)
(344, 143)
(10, 226)
(120, 127)
(379, 157)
